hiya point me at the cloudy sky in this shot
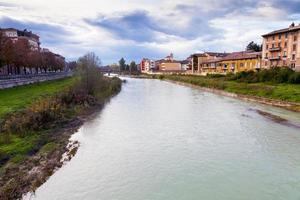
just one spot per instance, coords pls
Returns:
(147, 28)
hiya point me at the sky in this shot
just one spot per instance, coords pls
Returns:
(135, 29)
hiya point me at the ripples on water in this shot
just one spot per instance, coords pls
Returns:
(161, 141)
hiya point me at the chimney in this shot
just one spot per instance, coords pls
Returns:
(292, 25)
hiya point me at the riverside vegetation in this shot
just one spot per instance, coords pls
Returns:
(281, 84)
(37, 121)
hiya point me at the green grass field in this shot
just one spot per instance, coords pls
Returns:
(16, 98)
(12, 100)
(284, 92)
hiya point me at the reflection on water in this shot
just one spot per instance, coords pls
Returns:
(161, 141)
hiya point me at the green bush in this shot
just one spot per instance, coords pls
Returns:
(215, 75)
(274, 75)
(295, 78)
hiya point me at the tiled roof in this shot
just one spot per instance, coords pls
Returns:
(285, 30)
(242, 55)
(216, 54)
(236, 56)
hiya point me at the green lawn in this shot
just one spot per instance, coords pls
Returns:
(16, 98)
(13, 99)
(284, 92)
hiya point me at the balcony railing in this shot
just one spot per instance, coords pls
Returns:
(275, 58)
(275, 49)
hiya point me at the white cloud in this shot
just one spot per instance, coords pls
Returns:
(215, 25)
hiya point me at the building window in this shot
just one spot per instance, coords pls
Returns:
(285, 44)
(284, 54)
(279, 45)
(294, 47)
(293, 65)
(273, 46)
(295, 38)
(273, 37)
(266, 63)
(279, 37)
(266, 55)
(241, 64)
(267, 47)
(286, 35)
(293, 57)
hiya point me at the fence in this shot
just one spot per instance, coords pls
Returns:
(8, 81)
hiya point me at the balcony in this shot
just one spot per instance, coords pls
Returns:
(275, 49)
(275, 58)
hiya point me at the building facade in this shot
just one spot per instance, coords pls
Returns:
(230, 63)
(200, 58)
(15, 35)
(282, 48)
(147, 65)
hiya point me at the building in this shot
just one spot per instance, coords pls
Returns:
(186, 64)
(229, 63)
(199, 58)
(239, 61)
(282, 48)
(15, 35)
(169, 64)
(147, 65)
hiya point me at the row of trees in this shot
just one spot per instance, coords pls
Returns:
(132, 67)
(19, 58)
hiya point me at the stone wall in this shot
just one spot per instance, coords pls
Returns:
(17, 80)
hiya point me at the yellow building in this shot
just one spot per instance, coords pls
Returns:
(233, 62)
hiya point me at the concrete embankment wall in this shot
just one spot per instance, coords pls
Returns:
(13, 81)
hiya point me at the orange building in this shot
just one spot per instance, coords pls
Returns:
(282, 48)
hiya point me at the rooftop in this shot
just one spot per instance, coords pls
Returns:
(215, 54)
(291, 28)
(236, 56)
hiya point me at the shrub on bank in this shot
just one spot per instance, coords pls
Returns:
(274, 75)
(295, 78)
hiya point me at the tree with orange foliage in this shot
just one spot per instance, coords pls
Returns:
(22, 50)
(8, 55)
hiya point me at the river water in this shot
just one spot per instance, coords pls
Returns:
(161, 141)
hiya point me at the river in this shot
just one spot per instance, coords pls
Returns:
(162, 141)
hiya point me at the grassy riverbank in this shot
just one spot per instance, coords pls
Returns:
(273, 91)
(16, 98)
(37, 121)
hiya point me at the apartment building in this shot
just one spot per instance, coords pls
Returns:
(282, 48)
(147, 65)
(199, 58)
(240, 61)
(231, 63)
(15, 35)
(169, 64)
